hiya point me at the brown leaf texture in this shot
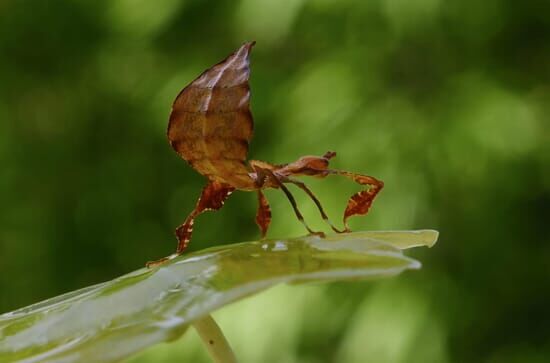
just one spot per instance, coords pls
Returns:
(211, 126)
(263, 216)
(360, 203)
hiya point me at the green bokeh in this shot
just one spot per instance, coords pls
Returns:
(447, 102)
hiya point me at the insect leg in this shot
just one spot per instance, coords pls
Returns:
(302, 186)
(359, 203)
(263, 216)
(212, 197)
(290, 197)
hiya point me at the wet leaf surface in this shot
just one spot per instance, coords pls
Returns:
(110, 321)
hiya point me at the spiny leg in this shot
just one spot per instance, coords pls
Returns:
(302, 186)
(212, 198)
(359, 203)
(290, 197)
(263, 216)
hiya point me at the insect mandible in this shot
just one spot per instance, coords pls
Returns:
(211, 126)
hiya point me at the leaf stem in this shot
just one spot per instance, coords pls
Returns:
(214, 340)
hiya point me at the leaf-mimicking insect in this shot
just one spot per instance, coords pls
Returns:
(211, 126)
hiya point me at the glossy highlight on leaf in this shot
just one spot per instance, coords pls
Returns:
(113, 320)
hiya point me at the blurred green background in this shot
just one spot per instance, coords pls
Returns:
(446, 101)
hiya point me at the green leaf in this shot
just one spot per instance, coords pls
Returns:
(110, 321)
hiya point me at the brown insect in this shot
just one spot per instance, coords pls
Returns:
(211, 126)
